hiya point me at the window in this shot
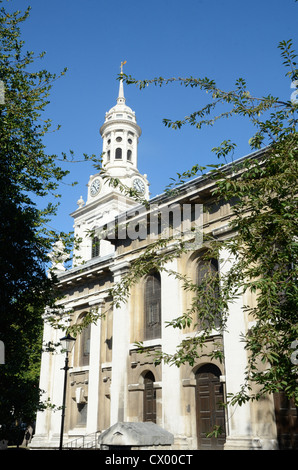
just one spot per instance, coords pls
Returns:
(129, 153)
(95, 247)
(81, 414)
(118, 153)
(207, 279)
(85, 346)
(153, 306)
(206, 268)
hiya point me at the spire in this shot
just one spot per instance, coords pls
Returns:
(121, 98)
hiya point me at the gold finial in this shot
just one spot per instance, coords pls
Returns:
(121, 67)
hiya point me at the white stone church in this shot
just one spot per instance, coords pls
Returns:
(109, 381)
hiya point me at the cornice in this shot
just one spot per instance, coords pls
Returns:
(120, 122)
(100, 201)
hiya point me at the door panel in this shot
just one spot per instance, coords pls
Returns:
(149, 398)
(209, 396)
(286, 416)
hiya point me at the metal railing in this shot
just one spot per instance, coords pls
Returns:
(89, 441)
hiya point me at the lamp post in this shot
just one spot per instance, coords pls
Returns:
(67, 344)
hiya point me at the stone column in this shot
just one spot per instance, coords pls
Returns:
(238, 417)
(121, 327)
(94, 371)
(173, 421)
(41, 430)
(48, 422)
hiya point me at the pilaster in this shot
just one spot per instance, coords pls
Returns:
(171, 382)
(239, 432)
(94, 370)
(121, 328)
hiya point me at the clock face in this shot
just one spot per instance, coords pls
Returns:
(139, 185)
(95, 187)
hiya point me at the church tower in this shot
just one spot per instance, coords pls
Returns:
(120, 135)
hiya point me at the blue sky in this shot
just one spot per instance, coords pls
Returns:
(219, 39)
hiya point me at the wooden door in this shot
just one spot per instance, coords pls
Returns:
(210, 413)
(149, 398)
(286, 416)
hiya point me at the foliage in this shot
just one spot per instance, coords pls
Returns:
(27, 174)
(264, 245)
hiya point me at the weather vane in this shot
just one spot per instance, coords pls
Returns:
(121, 67)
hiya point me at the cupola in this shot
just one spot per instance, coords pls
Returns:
(120, 134)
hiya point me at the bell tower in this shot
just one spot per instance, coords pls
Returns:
(120, 135)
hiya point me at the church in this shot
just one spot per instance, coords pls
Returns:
(111, 381)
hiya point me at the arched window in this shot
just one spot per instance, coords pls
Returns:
(95, 247)
(118, 153)
(206, 268)
(208, 280)
(129, 153)
(149, 408)
(152, 306)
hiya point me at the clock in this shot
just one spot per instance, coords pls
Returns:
(95, 187)
(139, 185)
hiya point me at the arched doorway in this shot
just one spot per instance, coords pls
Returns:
(286, 417)
(149, 398)
(209, 413)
